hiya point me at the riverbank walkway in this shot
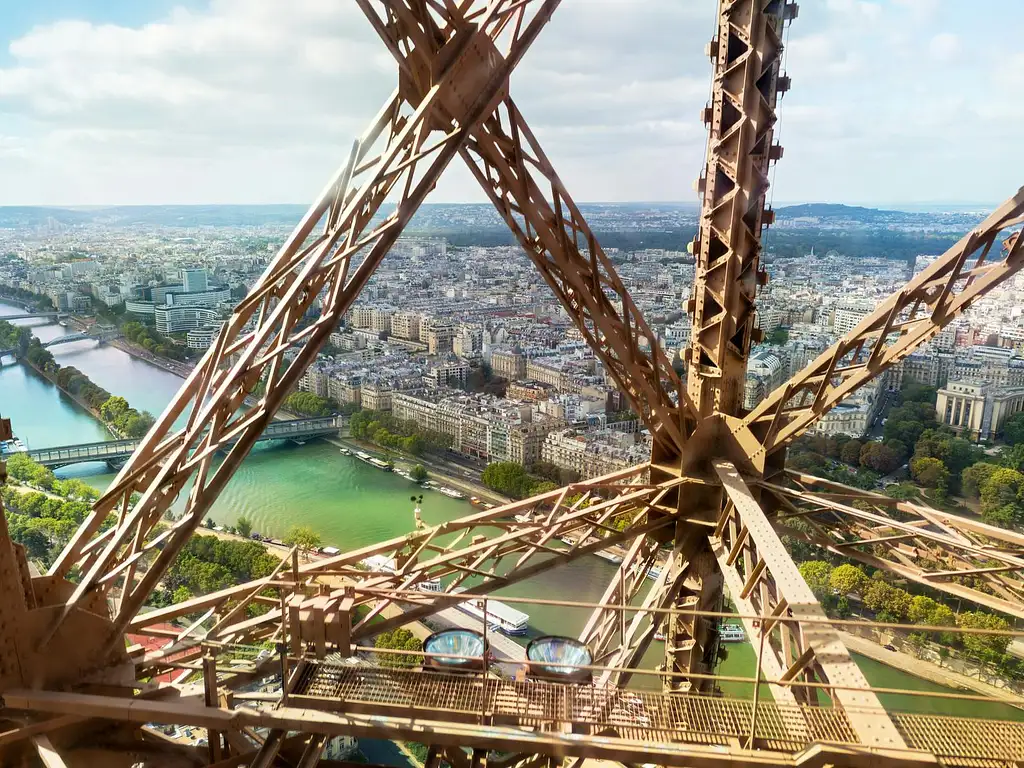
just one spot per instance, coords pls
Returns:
(927, 670)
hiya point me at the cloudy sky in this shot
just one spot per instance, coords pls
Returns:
(257, 101)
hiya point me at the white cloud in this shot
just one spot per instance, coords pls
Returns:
(944, 46)
(922, 9)
(258, 100)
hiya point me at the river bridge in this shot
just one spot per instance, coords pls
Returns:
(116, 452)
(68, 338)
(33, 315)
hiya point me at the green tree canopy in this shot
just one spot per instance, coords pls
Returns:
(929, 472)
(1001, 496)
(512, 479)
(985, 647)
(303, 537)
(883, 598)
(244, 525)
(881, 458)
(418, 473)
(817, 574)
(309, 404)
(921, 609)
(1013, 429)
(974, 477)
(847, 579)
(400, 639)
(850, 452)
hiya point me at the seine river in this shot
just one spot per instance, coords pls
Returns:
(349, 503)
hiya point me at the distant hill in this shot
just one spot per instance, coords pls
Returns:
(832, 214)
(431, 217)
(835, 211)
(34, 216)
(154, 215)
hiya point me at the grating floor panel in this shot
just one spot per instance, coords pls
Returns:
(643, 715)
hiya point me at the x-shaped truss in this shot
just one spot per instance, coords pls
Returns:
(899, 325)
(478, 554)
(454, 61)
(964, 557)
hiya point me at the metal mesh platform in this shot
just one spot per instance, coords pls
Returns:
(636, 715)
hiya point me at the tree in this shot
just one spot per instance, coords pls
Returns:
(847, 579)
(244, 526)
(817, 574)
(303, 537)
(36, 543)
(902, 491)
(808, 462)
(887, 601)
(879, 457)
(931, 473)
(400, 639)
(974, 477)
(113, 408)
(544, 486)
(920, 393)
(1013, 429)
(181, 594)
(1013, 457)
(999, 496)
(921, 609)
(308, 404)
(511, 479)
(850, 452)
(418, 473)
(988, 648)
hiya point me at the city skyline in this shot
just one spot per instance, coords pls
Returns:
(210, 103)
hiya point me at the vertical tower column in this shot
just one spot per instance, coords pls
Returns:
(741, 119)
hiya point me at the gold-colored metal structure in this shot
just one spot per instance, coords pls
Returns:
(715, 495)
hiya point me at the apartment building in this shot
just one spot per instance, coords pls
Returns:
(406, 325)
(509, 364)
(593, 453)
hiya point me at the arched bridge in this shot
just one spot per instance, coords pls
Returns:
(115, 452)
(81, 336)
(68, 338)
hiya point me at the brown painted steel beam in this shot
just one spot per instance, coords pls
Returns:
(469, 77)
(777, 579)
(492, 736)
(924, 306)
(746, 53)
(921, 545)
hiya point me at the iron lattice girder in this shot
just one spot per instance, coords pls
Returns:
(511, 167)
(394, 155)
(691, 731)
(764, 580)
(899, 325)
(966, 558)
(498, 547)
(741, 117)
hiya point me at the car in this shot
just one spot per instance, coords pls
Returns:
(889, 647)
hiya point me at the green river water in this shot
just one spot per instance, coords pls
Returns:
(348, 502)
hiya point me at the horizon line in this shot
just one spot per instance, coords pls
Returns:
(695, 204)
